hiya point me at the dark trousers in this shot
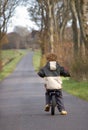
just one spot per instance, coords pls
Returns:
(59, 99)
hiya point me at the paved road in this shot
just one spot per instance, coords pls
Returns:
(22, 102)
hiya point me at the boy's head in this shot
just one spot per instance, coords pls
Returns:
(51, 57)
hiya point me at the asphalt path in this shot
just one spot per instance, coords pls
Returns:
(22, 103)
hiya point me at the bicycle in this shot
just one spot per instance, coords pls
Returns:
(53, 103)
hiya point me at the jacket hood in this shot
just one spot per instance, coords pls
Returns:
(52, 65)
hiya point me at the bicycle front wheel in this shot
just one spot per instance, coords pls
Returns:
(53, 104)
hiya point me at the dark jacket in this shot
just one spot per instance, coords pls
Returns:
(52, 72)
(59, 71)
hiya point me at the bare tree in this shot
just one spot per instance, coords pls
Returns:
(43, 14)
(79, 10)
(74, 26)
(53, 15)
(7, 8)
(82, 12)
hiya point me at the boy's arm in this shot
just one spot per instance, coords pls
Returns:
(41, 73)
(64, 72)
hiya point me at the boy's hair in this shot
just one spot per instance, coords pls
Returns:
(51, 57)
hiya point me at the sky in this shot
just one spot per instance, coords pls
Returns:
(21, 18)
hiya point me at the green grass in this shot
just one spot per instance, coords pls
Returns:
(36, 59)
(79, 89)
(15, 55)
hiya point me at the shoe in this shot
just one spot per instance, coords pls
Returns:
(63, 112)
(47, 107)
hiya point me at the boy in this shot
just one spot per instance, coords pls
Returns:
(52, 72)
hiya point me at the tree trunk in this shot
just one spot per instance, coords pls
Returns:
(51, 24)
(85, 24)
(82, 12)
(74, 27)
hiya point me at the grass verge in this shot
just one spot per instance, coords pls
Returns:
(36, 59)
(8, 68)
(79, 89)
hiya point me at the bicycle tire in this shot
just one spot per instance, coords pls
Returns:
(53, 104)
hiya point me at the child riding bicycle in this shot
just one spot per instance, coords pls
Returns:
(51, 72)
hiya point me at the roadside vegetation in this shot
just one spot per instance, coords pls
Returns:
(79, 89)
(10, 58)
(37, 59)
(70, 86)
